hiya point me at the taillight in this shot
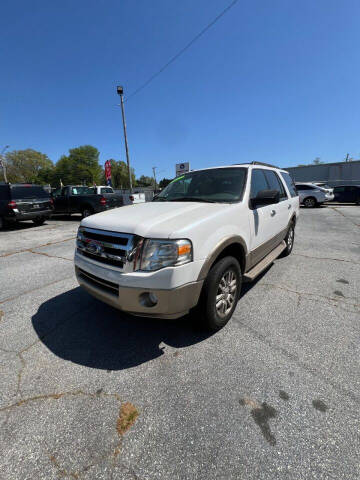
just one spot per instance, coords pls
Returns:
(103, 201)
(12, 204)
(132, 198)
(51, 201)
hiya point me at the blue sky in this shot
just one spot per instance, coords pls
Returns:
(274, 81)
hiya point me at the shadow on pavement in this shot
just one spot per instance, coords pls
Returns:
(79, 328)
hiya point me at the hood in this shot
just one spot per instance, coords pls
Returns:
(155, 219)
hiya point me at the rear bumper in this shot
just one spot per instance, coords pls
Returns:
(28, 215)
(172, 303)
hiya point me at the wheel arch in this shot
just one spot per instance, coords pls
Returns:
(232, 246)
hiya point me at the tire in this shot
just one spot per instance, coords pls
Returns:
(87, 211)
(309, 202)
(39, 221)
(289, 240)
(220, 281)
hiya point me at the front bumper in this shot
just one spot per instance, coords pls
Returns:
(172, 303)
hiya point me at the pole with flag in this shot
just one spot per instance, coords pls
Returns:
(108, 172)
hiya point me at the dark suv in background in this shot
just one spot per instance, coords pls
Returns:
(20, 202)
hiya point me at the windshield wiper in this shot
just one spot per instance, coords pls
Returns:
(191, 199)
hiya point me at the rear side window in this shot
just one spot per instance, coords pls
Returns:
(274, 183)
(4, 192)
(107, 190)
(31, 191)
(289, 183)
(258, 182)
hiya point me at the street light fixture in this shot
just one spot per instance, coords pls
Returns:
(120, 91)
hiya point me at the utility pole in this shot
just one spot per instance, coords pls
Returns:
(154, 169)
(347, 157)
(2, 162)
(120, 91)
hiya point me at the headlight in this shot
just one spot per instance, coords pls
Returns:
(158, 254)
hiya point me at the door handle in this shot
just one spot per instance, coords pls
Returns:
(273, 213)
(289, 206)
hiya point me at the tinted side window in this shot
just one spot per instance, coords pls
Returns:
(339, 189)
(274, 183)
(304, 187)
(258, 182)
(290, 184)
(4, 192)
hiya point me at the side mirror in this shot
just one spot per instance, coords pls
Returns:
(265, 197)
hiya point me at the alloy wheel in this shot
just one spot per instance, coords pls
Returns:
(226, 293)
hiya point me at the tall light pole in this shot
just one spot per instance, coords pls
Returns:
(2, 161)
(120, 92)
(154, 169)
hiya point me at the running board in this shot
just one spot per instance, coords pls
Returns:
(265, 262)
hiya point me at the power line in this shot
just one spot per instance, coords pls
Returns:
(187, 46)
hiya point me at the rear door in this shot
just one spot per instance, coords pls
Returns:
(339, 194)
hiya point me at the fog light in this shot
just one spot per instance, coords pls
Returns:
(148, 299)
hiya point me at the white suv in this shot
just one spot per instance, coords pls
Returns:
(191, 248)
(312, 195)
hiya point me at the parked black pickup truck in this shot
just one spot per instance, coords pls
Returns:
(80, 199)
(24, 202)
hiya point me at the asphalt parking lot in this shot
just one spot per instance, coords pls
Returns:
(90, 393)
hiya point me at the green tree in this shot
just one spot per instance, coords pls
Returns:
(80, 166)
(28, 166)
(164, 182)
(145, 181)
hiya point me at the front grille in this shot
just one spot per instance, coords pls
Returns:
(106, 261)
(109, 248)
(105, 285)
(104, 237)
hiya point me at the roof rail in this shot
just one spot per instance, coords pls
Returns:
(264, 164)
(257, 163)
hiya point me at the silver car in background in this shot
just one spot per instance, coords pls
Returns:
(312, 195)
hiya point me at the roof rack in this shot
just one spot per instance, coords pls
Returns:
(257, 163)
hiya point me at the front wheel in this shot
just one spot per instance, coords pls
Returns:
(39, 221)
(220, 293)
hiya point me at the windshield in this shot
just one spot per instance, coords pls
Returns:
(224, 185)
(28, 191)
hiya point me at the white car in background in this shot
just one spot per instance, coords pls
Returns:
(312, 195)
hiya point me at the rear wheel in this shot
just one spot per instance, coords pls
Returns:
(289, 240)
(39, 221)
(87, 211)
(220, 293)
(309, 202)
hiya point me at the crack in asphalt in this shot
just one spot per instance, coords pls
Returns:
(38, 246)
(345, 216)
(126, 418)
(34, 289)
(291, 356)
(325, 258)
(332, 299)
(50, 256)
